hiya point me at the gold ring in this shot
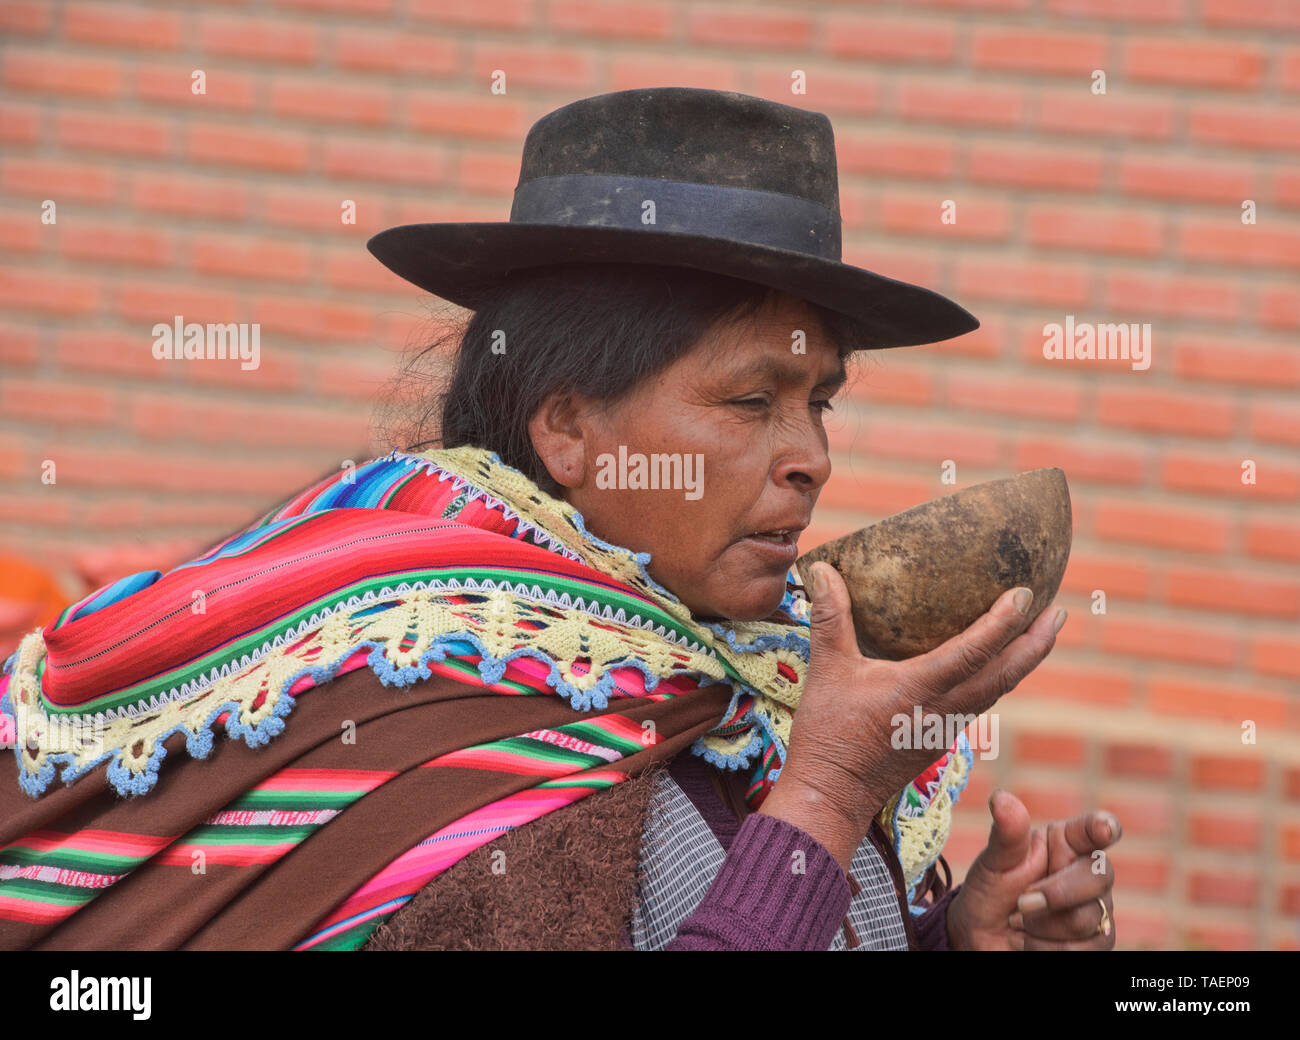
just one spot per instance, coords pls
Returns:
(1104, 927)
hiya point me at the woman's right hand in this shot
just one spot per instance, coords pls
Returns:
(841, 766)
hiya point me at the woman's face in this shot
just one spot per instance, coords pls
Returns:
(743, 413)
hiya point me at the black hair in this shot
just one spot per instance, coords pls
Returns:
(598, 329)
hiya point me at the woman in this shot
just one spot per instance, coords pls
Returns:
(517, 635)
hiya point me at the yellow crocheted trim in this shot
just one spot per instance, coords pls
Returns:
(921, 838)
(777, 697)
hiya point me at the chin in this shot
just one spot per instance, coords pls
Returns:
(756, 603)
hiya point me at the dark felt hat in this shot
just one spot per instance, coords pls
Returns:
(708, 179)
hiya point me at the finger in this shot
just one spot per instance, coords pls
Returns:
(1074, 924)
(831, 616)
(1095, 941)
(1078, 883)
(989, 658)
(1008, 844)
(1090, 831)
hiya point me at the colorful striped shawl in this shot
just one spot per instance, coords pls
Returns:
(448, 576)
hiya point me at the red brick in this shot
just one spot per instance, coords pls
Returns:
(714, 25)
(1291, 778)
(109, 353)
(1286, 187)
(1144, 293)
(191, 196)
(897, 155)
(1268, 127)
(534, 65)
(47, 291)
(251, 257)
(1273, 539)
(1279, 306)
(23, 232)
(321, 100)
(1165, 527)
(1098, 463)
(1180, 180)
(889, 39)
(121, 135)
(894, 385)
(308, 210)
(1116, 576)
(1166, 411)
(1054, 749)
(1230, 832)
(278, 151)
(1042, 283)
(1174, 696)
(366, 159)
(1031, 50)
(1148, 873)
(1015, 395)
(489, 173)
(1264, 14)
(855, 93)
(984, 219)
(395, 51)
(1122, 10)
(1227, 772)
(1055, 681)
(1218, 937)
(135, 244)
(71, 75)
(1105, 115)
(1275, 422)
(57, 400)
(1046, 805)
(1235, 66)
(162, 83)
(634, 71)
(1221, 888)
(1138, 931)
(928, 442)
(259, 37)
(629, 20)
(500, 14)
(1289, 900)
(460, 114)
(1233, 243)
(1277, 655)
(20, 344)
(960, 102)
(1277, 481)
(1140, 760)
(873, 490)
(190, 419)
(1019, 166)
(1229, 590)
(151, 301)
(1289, 839)
(1168, 641)
(19, 123)
(62, 181)
(314, 320)
(1095, 230)
(31, 17)
(123, 25)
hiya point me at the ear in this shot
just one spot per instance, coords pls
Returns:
(560, 437)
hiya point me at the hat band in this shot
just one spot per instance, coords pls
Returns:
(765, 218)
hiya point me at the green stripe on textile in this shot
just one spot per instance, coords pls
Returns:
(578, 781)
(234, 834)
(541, 751)
(295, 800)
(594, 734)
(72, 859)
(47, 891)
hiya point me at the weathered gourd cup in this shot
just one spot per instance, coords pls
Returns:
(920, 577)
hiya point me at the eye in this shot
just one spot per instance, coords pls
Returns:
(825, 406)
(751, 401)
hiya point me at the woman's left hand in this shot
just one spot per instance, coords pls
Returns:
(1037, 889)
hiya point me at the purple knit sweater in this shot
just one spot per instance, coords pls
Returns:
(756, 901)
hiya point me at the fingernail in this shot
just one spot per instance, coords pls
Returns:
(1022, 598)
(1031, 902)
(819, 581)
(1017, 922)
(1061, 615)
(992, 796)
(1113, 823)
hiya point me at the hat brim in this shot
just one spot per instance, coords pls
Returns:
(462, 262)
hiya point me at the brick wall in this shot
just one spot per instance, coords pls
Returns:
(1122, 207)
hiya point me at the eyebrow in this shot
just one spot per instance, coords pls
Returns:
(788, 370)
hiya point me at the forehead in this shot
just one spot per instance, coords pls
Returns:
(785, 339)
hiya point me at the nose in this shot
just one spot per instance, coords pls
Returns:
(803, 461)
